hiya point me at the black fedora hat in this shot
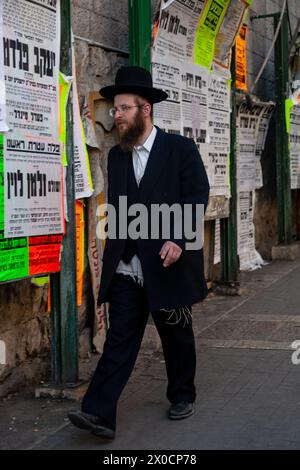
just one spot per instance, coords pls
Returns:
(135, 80)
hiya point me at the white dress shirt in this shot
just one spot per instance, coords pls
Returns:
(140, 155)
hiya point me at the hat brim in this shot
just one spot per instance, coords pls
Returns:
(154, 95)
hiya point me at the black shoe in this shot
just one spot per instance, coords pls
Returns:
(181, 410)
(91, 423)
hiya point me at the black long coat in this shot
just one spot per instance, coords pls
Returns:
(174, 174)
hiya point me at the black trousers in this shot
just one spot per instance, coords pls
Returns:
(128, 315)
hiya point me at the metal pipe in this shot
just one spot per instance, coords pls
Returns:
(259, 17)
(229, 252)
(140, 38)
(295, 36)
(63, 284)
(283, 179)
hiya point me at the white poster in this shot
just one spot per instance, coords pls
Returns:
(247, 137)
(32, 187)
(217, 252)
(249, 258)
(83, 187)
(195, 82)
(218, 136)
(82, 172)
(263, 128)
(295, 147)
(244, 222)
(252, 129)
(177, 29)
(228, 32)
(31, 48)
(167, 76)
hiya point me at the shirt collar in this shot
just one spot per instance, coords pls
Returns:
(149, 142)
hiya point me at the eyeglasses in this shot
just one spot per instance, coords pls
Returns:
(123, 109)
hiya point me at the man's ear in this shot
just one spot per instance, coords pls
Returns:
(147, 109)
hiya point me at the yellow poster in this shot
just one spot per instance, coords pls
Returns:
(241, 59)
(207, 31)
(64, 90)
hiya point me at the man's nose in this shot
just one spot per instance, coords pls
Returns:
(118, 112)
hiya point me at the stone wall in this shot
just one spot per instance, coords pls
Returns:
(99, 22)
(24, 327)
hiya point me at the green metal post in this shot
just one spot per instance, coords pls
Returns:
(140, 26)
(55, 329)
(283, 178)
(64, 309)
(229, 257)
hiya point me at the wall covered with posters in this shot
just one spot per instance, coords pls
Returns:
(31, 178)
(191, 61)
(33, 216)
(260, 34)
(24, 317)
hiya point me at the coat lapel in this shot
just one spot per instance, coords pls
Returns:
(155, 164)
(120, 173)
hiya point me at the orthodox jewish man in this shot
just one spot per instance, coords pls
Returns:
(162, 274)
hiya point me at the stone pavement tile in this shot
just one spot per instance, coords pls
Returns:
(288, 331)
(259, 330)
(274, 433)
(215, 306)
(281, 298)
(293, 378)
(225, 329)
(203, 323)
(214, 379)
(263, 317)
(243, 391)
(288, 429)
(25, 420)
(263, 441)
(289, 394)
(279, 443)
(259, 368)
(208, 407)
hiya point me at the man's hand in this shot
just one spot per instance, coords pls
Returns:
(170, 253)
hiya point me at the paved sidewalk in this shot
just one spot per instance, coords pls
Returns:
(248, 388)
